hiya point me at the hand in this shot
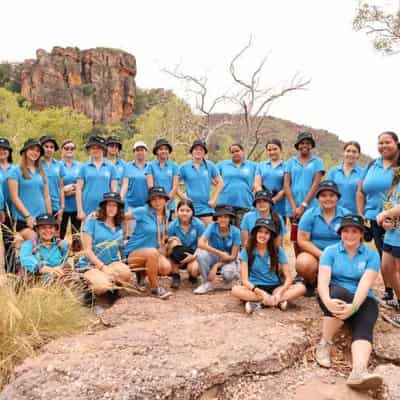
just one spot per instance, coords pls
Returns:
(267, 299)
(388, 224)
(59, 215)
(212, 203)
(298, 212)
(345, 312)
(189, 258)
(334, 305)
(380, 217)
(30, 221)
(226, 258)
(81, 215)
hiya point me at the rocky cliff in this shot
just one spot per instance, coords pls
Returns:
(99, 82)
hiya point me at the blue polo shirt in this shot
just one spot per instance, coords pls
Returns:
(30, 191)
(347, 185)
(216, 240)
(34, 255)
(238, 183)
(392, 236)
(54, 172)
(71, 176)
(96, 182)
(272, 179)
(198, 184)
(301, 179)
(106, 242)
(136, 195)
(249, 220)
(145, 234)
(376, 181)
(163, 176)
(119, 165)
(347, 272)
(322, 234)
(4, 174)
(260, 273)
(189, 238)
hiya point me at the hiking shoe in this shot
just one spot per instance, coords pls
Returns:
(176, 281)
(204, 288)
(323, 353)
(161, 293)
(310, 290)
(361, 379)
(192, 279)
(283, 305)
(387, 295)
(252, 306)
(140, 281)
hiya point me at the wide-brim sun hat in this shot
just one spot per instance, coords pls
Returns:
(114, 140)
(112, 196)
(46, 219)
(354, 220)
(96, 140)
(221, 210)
(30, 143)
(327, 185)
(5, 144)
(200, 143)
(263, 195)
(48, 138)
(157, 191)
(304, 136)
(265, 223)
(162, 142)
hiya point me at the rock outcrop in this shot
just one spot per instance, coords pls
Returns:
(99, 82)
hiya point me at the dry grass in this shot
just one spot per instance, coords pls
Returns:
(31, 314)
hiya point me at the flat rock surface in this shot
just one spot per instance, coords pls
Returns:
(391, 379)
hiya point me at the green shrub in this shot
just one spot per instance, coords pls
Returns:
(88, 89)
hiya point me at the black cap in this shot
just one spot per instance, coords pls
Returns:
(157, 191)
(5, 144)
(96, 140)
(114, 140)
(304, 136)
(31, 143)
(352, 220)
(327, 185)
(264, 223)
(46, 219)
(263, 195)
(198, 142)
(222, 209)
(47, 138)
(111, 196)
(159, 143)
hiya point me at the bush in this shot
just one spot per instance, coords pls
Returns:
(31, 315)
(88, 89)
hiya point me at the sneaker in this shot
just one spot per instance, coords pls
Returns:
(176, 281)
(283, 305)
(140, 281)
(161, 293)
(204, 288)
(323, 353)
(361, 379)
(252, 306)
(391, 304)
(192, 279)
(387, 295)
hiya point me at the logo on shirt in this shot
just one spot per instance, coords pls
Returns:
(169, 172)
(361, 265)
(107, 174)
(57, 170)
(246, 171)
(193, 232)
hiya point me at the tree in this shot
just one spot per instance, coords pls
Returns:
(251, 95)
(383, 26)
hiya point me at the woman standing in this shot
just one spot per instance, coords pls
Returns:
(348, 175)
(238, 177)
(71, 168)
(347, 273)
(96, 177)
(376, 182)
(28, 189)
(114, 148)
(262, 264)
(269, 175)
(198, 175)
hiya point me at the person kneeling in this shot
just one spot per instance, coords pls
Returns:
(102, 237)
(262, 263)
(347, 272)
(46, 255)
(219, 248)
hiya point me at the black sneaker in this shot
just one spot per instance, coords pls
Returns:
(392, 304)
(176, 281)
(192, 279)
(388, 295)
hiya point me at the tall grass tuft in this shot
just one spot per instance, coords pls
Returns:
(31, 314)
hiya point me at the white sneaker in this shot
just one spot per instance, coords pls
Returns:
(204, 288)
(323, 353)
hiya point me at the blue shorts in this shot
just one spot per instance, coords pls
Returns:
(393, 250)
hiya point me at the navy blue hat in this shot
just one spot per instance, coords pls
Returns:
(157, 191)
(222, 209)
(5, 144)
(96, 140)
(114, 140)
(161, 142)
(264, 223)
(327, 185)
(46, 219)
(31, 143)
(352, 220)
(263, 195)
(304, 136)
(111, 196)
(198, 142)
(47, 138)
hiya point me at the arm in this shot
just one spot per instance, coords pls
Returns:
(219, 185)
(245, 237)
(288, 278)
(62, 199)
(324, 278)
(303, 240)
(392, 213)
(150, 180)
(360, 199)
(13, 189)
(89, 253)
(46, 195)
(311, 193)
(257, 183)
(279, 196)
(288, 190)
(204, 245)
(113, 185)
(124, 188)
(174, 189)
(79, 205)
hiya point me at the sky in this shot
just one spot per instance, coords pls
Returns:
(354, 91)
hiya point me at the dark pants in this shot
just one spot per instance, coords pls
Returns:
(75, 223)
(363, 321)
(377, 233)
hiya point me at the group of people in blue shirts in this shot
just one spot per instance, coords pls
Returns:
(230, 221)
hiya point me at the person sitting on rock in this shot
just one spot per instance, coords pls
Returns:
(46, 254)
(347, 273)
(102, 237)
(218, 250)
(317, 230)
(262, 265)
(146, 247)
(183, 235)
(263, 202)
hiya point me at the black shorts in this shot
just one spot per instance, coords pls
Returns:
(21, 225)
(393, 250)
(363, 321)
(268, 289)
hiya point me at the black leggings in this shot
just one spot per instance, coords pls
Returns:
(363, 321)
(377, 233)
(75, 223)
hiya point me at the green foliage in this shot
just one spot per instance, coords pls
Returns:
(148, 98)
(88, 89)
(5, 73)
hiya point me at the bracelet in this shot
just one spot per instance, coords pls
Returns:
(304, 204)
(354, 307)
